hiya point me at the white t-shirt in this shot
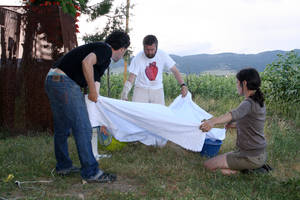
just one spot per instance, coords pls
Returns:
(149, 71)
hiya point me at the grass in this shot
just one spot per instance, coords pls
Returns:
(154, 173)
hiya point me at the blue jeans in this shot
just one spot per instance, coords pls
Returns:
(70, 113)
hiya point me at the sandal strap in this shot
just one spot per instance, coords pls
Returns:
(107, 177)
(103, 177)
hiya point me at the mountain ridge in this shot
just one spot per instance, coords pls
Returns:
(231, 62)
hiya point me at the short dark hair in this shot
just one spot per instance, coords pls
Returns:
(149, 40)
(118, 39)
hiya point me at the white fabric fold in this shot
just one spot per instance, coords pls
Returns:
(153, 124)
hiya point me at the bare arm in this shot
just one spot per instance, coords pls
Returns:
(88, 72)
(209, 124)
(180, 81)
(97, 87)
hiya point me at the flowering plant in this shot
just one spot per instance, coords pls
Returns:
(73, 7)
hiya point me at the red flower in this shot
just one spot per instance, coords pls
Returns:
(47, 3)
(77, 14)
(77, 31)
(77, 7)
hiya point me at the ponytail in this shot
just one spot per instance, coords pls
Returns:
(258, 97)
(253, 83)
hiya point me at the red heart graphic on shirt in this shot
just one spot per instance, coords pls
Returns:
(151, 71)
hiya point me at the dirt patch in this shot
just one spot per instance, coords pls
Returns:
(122, 185)
(74, 189)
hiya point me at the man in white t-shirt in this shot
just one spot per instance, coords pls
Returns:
(147, 68)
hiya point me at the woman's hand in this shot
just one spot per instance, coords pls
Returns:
(206, 126)
(209, 124)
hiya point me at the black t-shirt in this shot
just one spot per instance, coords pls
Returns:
(71, 63)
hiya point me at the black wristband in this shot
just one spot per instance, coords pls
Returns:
(183, 84)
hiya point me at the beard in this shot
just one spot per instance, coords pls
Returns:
(151, 55)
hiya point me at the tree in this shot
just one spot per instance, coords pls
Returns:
(127, 56)
(114, 22)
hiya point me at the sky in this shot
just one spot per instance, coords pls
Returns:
(188, 27)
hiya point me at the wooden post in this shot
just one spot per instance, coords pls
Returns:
(126, 58)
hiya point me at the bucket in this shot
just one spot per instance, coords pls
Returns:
(104, 136)
(107, 141)
(211, 148)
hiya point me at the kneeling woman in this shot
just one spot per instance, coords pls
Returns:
(248, 118)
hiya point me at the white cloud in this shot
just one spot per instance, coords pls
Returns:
(232, 25)
(215, 26)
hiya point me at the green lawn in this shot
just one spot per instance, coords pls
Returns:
(154, 173)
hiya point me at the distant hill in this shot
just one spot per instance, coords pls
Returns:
(228, 62)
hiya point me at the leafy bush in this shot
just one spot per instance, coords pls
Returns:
(212, 86)
(115, 85)
(208, 86)
(282, 79)
(281, 84)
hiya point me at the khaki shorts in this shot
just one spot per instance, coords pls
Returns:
(236, 161)
(145, 95)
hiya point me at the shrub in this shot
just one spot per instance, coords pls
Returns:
(281, 85)
(282, 79)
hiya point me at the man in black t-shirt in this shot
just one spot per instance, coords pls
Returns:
(81, 67)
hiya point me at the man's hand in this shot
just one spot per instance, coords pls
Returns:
(184, 90)
(126, 89)
(124, 95)
(93, 96)
(230, 125)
